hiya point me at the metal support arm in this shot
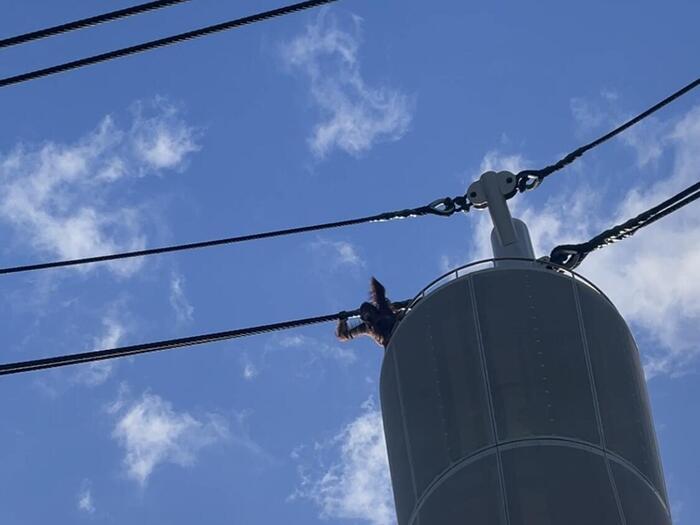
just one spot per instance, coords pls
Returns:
(510, 237)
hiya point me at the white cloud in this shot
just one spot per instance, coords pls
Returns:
(357, 486)
(183, 309)
(85, 502)
(337, 253)
(249, 371)
(96, 373)
(651, 277)
(354, 115)
(58, 197)
(494, 160)
(587, 115)
(646, 138)
(609, 95)
(161, 140)
(152, 433)
(319, 349)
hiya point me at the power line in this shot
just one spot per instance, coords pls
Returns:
(568, 256)
(162, 42)
(171, 344)
(529, 179)
(87, 22)
(441, 207)
(572, 255)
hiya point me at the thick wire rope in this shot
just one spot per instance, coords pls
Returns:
(568, 256)
(87, 22)
(171, 344)
(572, 255)
(162, 42)
(441, 207)
(529, 179)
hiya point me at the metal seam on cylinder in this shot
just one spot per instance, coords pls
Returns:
(551, 441)
(489, 397)
(594, 393)
(439, 395)
(405, 429)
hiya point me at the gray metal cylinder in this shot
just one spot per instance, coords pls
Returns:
(515, 396)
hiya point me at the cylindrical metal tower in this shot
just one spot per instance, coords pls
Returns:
(514, 396)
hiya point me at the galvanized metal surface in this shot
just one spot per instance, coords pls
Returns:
(515, 396)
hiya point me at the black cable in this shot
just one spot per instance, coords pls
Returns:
(572, 255)
(170, 344)
(87, 22)
(162, 42)
(529, 179)
(442, 207)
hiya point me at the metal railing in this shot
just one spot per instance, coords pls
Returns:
(479, 265)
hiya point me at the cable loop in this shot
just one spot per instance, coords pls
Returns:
(443, 207)
(528, 180)
(569, 256)
(462, 203)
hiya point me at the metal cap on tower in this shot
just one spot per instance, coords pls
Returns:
(514, 395)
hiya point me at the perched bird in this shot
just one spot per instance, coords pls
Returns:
(379, 317)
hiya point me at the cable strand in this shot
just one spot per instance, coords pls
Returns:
(171, 344)
(162, 42)
(572, 255)
(87, 22)
(529, 179)
(441, 207)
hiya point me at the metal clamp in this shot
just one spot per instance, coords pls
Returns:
(510, 237)
(491, 191)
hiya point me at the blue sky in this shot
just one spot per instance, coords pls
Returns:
(335, 113)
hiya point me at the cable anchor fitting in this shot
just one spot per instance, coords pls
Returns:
(448, 206)
(528, 180)
(509, 237)
(443, 207)
(569, 256)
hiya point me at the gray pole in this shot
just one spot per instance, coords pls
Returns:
(514, 395)
(510, 237)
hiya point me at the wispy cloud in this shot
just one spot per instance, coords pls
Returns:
(495, 160)
(357, 485)
(587, 115)
(152, 433)
(58, 197)
(249, 371)
(160, 139)
(313, 356)
(651, 277)
(354, 115)
(184, 311)
(319, 349)
(595, 114)
(96, 373)
(85, 502)
(337, 253)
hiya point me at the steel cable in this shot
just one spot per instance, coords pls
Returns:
(572, 255)
(529, 179)
(171, 344)
(162, 42)
(87, 22)
(441, 207)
